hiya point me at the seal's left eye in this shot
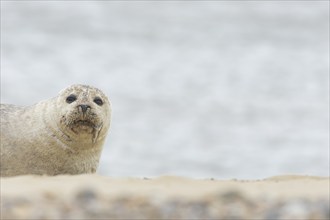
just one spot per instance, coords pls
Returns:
(98, 101)
(71, 98)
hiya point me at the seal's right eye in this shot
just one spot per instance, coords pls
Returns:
(71, 98)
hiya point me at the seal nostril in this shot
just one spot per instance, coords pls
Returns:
(84, 107)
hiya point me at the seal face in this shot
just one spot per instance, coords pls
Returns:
(83, 110)
(61, 135)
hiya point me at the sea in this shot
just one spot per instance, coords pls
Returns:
(200, 89)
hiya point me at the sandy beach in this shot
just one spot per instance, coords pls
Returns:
(165, 197)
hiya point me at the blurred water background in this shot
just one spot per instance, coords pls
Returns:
(199, 89)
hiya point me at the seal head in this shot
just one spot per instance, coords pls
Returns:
(83, 111)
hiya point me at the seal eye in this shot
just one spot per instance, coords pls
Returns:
(98, 101)
(71, 98)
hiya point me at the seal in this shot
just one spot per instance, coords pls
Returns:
(61, 135)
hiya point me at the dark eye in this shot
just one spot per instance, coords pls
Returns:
(71, 98)
(98, 101)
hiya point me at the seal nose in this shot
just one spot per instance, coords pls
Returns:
(84, 107)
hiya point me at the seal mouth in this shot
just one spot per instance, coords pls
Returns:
(86, 126)
(86, 123)
(80, 127)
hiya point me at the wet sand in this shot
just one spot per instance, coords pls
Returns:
(100, 197)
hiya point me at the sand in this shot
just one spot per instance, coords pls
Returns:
(100, 197)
